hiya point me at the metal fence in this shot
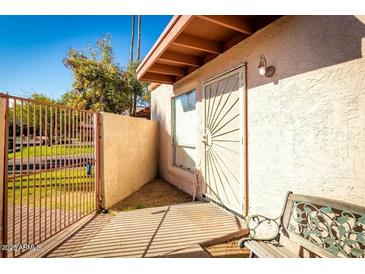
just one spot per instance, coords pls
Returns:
(50, 171)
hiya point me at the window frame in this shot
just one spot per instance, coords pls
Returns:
(173, 135)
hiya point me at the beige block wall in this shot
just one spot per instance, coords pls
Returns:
(2, 150)
(306, 124)
(128, 155)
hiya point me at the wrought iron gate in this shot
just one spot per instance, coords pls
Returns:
(50, 173)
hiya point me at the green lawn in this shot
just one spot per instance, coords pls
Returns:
(41, 186)
(51, 177)
(51, 150)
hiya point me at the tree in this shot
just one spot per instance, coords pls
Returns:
(75, 99)
(99, 83)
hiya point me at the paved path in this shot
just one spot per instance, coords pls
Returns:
(167, 231)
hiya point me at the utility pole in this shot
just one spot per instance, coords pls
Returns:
(139, 38)
(132, 41)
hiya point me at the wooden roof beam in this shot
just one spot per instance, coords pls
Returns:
(167, 70)
(198, 43)
(235, 39)
(158, 78)
(236, 23)
(179, 58)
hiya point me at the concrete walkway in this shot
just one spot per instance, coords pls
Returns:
(167, 231)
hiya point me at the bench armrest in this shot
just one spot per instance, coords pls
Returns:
(253, 223)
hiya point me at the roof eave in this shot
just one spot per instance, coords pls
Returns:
(173, 29)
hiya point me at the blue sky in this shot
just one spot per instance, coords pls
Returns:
(32, 47)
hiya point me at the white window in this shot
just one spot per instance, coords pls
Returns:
(184, 130)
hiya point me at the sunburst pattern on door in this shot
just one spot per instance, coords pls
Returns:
(222, 141)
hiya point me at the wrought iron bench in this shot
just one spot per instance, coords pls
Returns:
(308, 227)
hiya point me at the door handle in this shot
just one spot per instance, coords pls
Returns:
(205, 138)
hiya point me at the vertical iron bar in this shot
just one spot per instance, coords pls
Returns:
(28, 158)
(91, 144)
(77, 165)
(80, 165)
(55, 168)
(87, 162)
(46, 172)
(34, 167)
(69, 158)
(88, 156)
(64, 166)
(73, 165)
(6, 183)
(21, 173)
(62, 135)
(41, 171)
(60, 169)
(51, 172)
(14, 167)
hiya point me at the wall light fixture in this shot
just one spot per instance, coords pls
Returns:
(268, 71)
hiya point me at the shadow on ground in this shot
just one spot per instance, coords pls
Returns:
(166, 224)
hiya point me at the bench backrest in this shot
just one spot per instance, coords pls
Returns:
(329, 228)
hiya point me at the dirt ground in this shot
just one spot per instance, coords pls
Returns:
(158, 192)
(229, 249)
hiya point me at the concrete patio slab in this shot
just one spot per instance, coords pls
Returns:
(167, 231)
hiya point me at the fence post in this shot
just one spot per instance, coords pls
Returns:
(98, 191)
(3, 158)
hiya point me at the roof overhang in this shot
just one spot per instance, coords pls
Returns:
(190, 41)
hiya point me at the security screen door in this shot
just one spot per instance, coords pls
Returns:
(223, 140)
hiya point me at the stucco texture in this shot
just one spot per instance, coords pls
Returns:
(128, 155)
(306, 124)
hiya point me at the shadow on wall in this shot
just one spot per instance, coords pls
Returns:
(295, 47)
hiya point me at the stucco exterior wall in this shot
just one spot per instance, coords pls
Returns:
(2, 150)
(306, 124)
(128, 155)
